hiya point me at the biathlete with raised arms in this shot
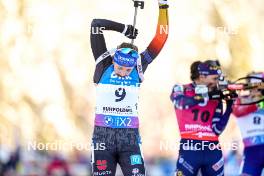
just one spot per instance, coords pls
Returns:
(118, 75)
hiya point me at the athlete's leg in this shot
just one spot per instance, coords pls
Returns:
(188, 163)
(132, 163)
(104, 159)
(213, 164)
(130, 153)
(103, 163)
(190, 158)
(253, 161)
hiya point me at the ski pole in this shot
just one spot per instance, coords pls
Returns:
(136, 5)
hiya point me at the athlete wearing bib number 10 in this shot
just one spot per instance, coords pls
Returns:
(250, 119)
(201, 120)
(118, 75)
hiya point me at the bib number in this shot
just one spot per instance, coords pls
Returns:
(204, 115)
(120, 93)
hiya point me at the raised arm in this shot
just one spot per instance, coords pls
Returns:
(220, 119)
(97, 37)
(98, 44)
(160, 37)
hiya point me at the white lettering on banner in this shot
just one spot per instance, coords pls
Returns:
(102, 173)
(126, 110)
(202, 134)
(118, 121)
(198, 127)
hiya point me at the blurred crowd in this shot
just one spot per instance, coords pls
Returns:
(23, 162)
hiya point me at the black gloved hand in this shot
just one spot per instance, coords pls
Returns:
(131, 32)
(229, 104)
(215, 95)
(199, 98)
(163, 4)
(230, 95)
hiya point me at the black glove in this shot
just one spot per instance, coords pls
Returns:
(262, 92)
(131, 32)
(199, 98)
(229, 103)
(230, 95)
(163, 4)
(215, 95)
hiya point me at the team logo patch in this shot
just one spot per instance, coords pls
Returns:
(218, 165)
(178, 88)
(185, 164)
(101, 164)
(135, 159)
(181, 160)
(179, 173)
(108, 120)
(135, 171)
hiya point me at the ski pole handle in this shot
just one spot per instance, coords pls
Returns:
(136, 5)
(139, 4)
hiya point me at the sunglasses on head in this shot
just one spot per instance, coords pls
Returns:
(214, 67)
(130, 51)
